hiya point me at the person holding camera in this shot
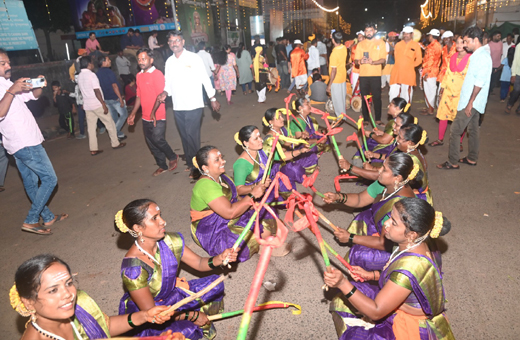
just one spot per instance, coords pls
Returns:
(22, 138)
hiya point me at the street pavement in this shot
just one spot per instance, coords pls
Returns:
(480, 254)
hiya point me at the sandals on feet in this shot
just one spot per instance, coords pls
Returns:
(40, 230)
(57, 218)
(466, 161)
(436, 143)
(447, 166)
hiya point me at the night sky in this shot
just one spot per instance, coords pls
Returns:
(395, 12)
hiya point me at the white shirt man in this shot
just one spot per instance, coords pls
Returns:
(208, 62)
(152, 42)
(314, 59)
(322, 49)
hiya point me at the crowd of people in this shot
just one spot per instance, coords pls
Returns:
(395, 290)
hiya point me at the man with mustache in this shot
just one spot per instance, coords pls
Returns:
(150, 83)
(23, 139)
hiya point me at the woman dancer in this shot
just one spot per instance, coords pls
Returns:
(44, 290)
(306, 126)
(149, 272)
(218, 215)
(406, 299)
(365, 235)
(450, 90)
(228, 74)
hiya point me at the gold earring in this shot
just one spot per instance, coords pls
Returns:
(140, 234)
(396, 185)
(33, 315)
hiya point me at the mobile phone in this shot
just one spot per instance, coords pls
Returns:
(36, 82)
(332, 31)
(365, 55)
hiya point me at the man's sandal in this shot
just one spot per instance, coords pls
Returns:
(436, 143)
(447, 166)
(40, 230)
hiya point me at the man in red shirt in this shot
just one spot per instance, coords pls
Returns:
(430, 71)
(150, 83)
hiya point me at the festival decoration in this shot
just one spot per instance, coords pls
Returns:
(370, 111)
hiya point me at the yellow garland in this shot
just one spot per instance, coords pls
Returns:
(17, 303)
(407, 107)
(194, 161)
(265, 122)
(237, 140)
(415, 120)
(423, 138)
(282, 111)
(437, 227)
(414, 172)
(294, 105)
(119, 222)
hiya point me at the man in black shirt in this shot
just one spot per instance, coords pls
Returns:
(65, 106)
(282, 63)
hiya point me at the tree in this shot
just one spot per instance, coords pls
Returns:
(55, 17)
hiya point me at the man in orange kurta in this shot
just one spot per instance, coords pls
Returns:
(431, 65)
(447, 51)
(354, 73)
(298, 69)
(408, 56)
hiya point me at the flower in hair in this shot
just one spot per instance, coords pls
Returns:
(194, 161)
(437, 227)
(415, 120)
(17, 303)
(423, 138)
(119, 222)
(265, 122)
(237, 139)
(407, 107)
(414, 172)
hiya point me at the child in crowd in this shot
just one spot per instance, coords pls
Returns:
(66, 107)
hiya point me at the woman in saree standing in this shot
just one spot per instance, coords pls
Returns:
(218, 214)
(365, 235)
(149, 272)
(44, 290)
(405, 300)
(450, 89)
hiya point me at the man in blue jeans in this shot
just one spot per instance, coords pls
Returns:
(113, 99)
(23, 139)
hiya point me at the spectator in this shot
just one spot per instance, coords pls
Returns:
(390, 59)
(507, 43)
(228, 74)
(318, 89)
(123, 66)
(282, 63)
(152, 41)
(244, 63)
(113, 98)
(93, 47)
(354, 74)
(496, 48)
(130, 92)
(431, 68)
(255, 45)
(314, 56)
(95, 106)
(288, 48)
(271, 61)
(472, 102)
(137, 39)
(515, 80)
(298, 69)
(505, 76)
(66, 107)
(208, 64)
(4, 163)
(322, 49)
(338, 74)
(408, 56)
(185, 77)
(22, 138)
(370, 55)
(79, 105)
(127, 43)
(150, 84)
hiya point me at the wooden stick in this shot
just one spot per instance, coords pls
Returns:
(190, 298)
(270, 159)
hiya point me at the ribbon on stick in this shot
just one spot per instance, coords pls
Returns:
(261, 307)
(370, 111)
(361, 128)
(354, 137)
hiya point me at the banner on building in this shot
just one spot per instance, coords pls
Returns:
(115, 17)
(196, 22)
(16, 31)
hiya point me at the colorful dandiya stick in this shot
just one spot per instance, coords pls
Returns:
(190, 298)
(354, 137)
(267, 171)
(349, 118)
(316, 191)
(362, 128)
(265, 257)
(370, 111)
(261, 307)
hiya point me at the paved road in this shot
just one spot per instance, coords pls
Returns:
(481, 262)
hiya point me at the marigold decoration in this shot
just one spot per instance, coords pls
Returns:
(437, 227)
(407, 107)
(415, 120)
(16, 303)
(119, 222)
(265, 122)
(414, 172)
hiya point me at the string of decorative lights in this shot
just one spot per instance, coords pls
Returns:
(208, 8)
(218, 12)
(227, 14)
(48, 11)
(325, 9)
